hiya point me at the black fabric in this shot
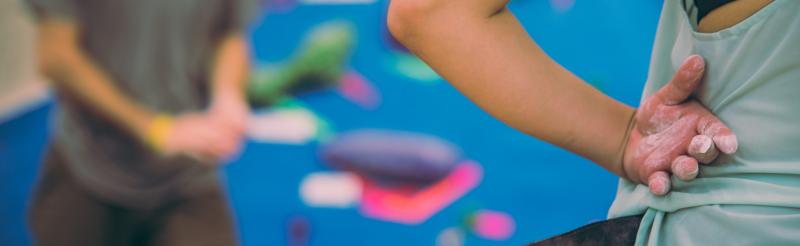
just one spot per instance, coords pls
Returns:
(618, 231)
(706, 6)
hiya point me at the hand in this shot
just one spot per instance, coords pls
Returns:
(231, 112)
(672, 135)
(200, 136)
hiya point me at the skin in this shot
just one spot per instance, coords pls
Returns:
(673, 133)
(483, 50)
(713, 135)
(729, 14)
(210, 136)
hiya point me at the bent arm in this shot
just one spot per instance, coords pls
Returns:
(483, 50)
(230, 68)
(75, 73)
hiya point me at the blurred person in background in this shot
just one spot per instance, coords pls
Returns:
(149, 101)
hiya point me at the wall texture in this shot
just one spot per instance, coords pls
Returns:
(19, 86)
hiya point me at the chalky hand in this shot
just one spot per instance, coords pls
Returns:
(672, 133)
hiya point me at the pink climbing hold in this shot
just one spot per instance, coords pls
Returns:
(413, 206)
(356, 89)
(493, 225)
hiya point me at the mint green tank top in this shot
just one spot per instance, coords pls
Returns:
(752, 83)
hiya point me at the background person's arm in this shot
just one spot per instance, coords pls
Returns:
(62, 60)
(73, 72)
(482, 49)
(231, 67)
(230, 71)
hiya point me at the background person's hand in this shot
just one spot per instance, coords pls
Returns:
(673, 133)
(202, 137)
(232, 112)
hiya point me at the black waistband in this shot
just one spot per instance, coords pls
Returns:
(706, 6)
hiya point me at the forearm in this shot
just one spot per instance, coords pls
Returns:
(487, 55)
(230, 68)
(77, 75)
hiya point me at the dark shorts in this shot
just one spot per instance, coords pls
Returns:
(617, 231)
(63, 212)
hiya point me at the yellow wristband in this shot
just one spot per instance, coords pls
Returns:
(158, 131)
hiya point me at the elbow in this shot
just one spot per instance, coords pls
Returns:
(56, 48)
(52, 60)
(46, 61)
(407, 18)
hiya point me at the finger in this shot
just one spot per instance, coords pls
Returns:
(722, 136)
(684, 83)
(206, 152)
(231, 125)
(656, 162)
(224, 148)
(233, 150)
(233, 114)
(674, 142)
(659, 183)
(232, 146)
(727, 143)
(233, 122)
(230, 143)
(703, 149)
(197, 148)
(215, 143)
(685, 168)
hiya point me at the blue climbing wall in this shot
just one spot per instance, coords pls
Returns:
(545, 189)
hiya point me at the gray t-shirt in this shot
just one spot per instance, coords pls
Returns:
(158, 53)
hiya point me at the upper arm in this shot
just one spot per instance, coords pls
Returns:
(405, 15)
(232, 46)
(57, 30)
(57, 42)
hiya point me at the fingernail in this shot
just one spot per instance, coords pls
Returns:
(699, 145)
(691, 175)
(658, 188)
(727, 144)
(697, 63)
(705, 143)
(685, 168)
(659, 185)
(690, 171)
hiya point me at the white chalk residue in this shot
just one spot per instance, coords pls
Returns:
(287, 126)
(331, 189)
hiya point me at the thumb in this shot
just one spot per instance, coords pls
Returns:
(685, 81)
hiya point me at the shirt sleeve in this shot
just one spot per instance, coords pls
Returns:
(241, 13)
(66, 9)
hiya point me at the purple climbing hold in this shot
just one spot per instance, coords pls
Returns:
(298, 231)
(392, 156)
